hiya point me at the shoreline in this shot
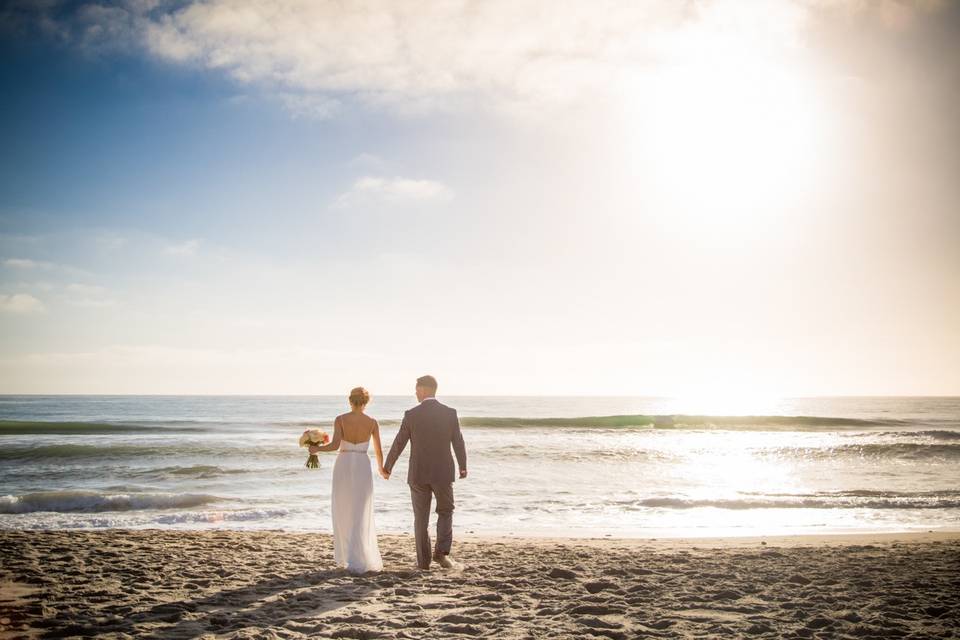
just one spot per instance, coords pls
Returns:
(118, 583)
(665, 538)
(728, 541)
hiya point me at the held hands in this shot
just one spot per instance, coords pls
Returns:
(386, 474)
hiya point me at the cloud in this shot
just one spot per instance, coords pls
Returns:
(74, 294)
(414, 56)
(893, 15)
(35, 285)
(19, 303)
(88, 296)
(185, 248)
(85, 289)
(111, 241)
(26, 263)
(17, 238)
(370, 190)
(367, 161)
(308, 106)
(422, 55)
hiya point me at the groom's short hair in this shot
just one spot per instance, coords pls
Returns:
(427, 382)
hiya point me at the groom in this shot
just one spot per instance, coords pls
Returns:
(431, 428)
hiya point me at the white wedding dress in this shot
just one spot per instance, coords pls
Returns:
(354, 533)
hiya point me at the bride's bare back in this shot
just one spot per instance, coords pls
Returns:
(357, 428)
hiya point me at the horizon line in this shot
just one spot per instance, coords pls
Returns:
(455, 395)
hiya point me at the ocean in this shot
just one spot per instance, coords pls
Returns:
(539, 466)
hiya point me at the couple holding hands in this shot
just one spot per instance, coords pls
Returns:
(432, 429)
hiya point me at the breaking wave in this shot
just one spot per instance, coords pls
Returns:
(95, 502)
(746, 423)
(838, 500)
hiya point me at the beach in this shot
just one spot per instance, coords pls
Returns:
(119, 583)
(185, 517)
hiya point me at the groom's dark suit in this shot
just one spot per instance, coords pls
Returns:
(431, 428)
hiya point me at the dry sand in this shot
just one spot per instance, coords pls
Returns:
(227, 584)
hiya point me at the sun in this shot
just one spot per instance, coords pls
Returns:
(724, 137)
(731, 136)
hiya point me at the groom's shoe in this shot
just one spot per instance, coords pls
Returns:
(443, 560)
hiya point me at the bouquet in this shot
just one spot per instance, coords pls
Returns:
(312, 439)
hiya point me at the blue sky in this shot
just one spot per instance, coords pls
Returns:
(737, 199)
(127, 141)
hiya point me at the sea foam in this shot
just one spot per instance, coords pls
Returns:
(92, 501)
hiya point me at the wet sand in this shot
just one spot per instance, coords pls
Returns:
(229, 584)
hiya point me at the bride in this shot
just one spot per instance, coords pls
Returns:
(354, 534)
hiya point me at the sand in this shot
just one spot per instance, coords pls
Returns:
(228, 584)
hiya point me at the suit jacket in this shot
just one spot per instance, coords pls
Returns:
(431, 428)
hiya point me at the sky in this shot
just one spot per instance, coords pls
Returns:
(697, 199)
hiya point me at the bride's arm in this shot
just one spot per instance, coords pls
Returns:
(337, 435)
(377, 447)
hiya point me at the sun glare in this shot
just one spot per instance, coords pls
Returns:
(725, 401)
(738, 137)
(725, 137)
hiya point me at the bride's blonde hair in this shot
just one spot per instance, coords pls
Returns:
(359, 397)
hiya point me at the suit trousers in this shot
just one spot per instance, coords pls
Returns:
(421, 496)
